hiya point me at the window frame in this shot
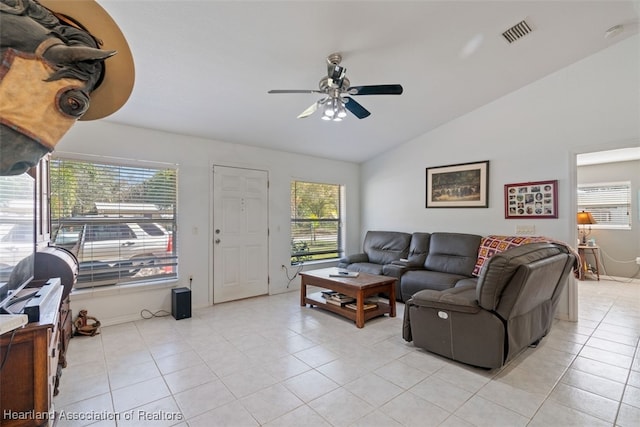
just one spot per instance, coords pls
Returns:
(162, 266)
(623, 203)
(317, 256)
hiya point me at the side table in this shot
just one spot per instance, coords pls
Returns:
(584, 266)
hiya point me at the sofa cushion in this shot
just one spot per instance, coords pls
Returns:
(366, 267)
(454, 253)
(461, 299)
(384, 247)
(418, 249)
(467, 281)
(491, 245)
(413, 281)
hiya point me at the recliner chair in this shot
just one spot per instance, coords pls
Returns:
(511, 307)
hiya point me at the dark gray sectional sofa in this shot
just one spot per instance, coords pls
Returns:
(463, 302)
(419, 260)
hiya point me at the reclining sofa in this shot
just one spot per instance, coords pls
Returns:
(511, 306)
(419, 260)
(436, 261)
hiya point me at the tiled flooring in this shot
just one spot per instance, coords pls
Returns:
(268, 361)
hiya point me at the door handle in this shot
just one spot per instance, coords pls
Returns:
(217, 241)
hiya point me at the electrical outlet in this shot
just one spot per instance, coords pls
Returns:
(528, 230)
(638, 260)
(191, 278)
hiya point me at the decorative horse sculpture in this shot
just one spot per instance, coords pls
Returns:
(53, 69)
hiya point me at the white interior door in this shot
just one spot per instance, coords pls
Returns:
(240, 233)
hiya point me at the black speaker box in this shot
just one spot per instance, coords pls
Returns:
(181, 303)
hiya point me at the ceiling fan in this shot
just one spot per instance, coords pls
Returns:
(338, 93)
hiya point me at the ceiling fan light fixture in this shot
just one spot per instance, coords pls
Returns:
(329, 109)
(341, 112)
(334, 109)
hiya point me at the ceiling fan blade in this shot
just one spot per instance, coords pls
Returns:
(376, 90)
(309, 111)
(358, 110)
(294, 91)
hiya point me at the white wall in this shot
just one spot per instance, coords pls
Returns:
(532, 134)
(195, 158)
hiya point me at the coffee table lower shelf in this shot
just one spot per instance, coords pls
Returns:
(319, 301)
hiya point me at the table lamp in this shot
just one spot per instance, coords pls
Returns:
(583, 219)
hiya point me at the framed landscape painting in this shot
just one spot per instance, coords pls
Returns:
(464, 185)
(531, 200)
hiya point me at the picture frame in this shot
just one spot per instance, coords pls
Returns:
(464, 185)
(537, 199)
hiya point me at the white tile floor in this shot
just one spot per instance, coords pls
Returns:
(268, 361)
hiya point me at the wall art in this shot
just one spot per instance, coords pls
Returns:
(464, 185)
(531, 200)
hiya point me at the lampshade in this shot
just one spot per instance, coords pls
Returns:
(585, 218)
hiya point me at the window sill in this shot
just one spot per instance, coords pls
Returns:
(609, 227)
(89, 293)
(317, 262)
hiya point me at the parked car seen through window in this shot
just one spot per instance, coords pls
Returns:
(112, 248)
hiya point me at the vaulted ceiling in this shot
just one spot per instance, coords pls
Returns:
(203, 68)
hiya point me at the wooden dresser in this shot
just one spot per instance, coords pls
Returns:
(30, 373)
(65, 324)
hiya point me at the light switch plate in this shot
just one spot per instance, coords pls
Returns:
(525, 230)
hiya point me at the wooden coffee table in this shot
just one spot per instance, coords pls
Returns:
(356, 287)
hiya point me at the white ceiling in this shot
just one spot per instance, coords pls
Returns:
(203, 68)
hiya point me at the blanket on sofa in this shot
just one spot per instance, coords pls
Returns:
(493, 244)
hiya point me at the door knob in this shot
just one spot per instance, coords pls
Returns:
(217, 231)
(217, 241)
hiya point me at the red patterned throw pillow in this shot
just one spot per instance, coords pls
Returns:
(491, 245)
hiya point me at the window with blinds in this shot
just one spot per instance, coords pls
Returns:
(316, 221)
(119, 221)
(609, 203)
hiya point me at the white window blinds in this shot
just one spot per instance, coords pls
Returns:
(316, 223)
(609, 203)
(119, 221)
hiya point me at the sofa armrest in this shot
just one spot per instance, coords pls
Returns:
(461, 299)
(350, 259)
(398, 268)
(394, 270)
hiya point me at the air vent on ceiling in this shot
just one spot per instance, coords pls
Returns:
(519, 30)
